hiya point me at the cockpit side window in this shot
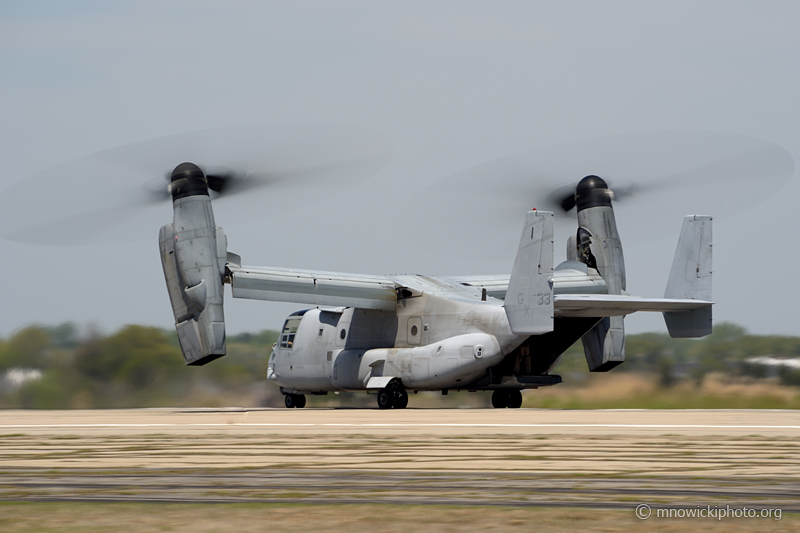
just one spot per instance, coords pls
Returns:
(289, 331)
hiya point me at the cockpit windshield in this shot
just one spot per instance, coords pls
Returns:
(289, 331)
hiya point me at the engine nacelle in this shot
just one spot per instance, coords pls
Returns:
(598, 246)
(193, 255)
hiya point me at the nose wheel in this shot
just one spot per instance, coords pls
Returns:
(511, 398)
(294, 400)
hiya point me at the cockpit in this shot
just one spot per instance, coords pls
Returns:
(290, 330)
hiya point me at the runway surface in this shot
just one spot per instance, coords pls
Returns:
(609, 459)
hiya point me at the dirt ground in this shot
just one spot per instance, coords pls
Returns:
(663, 443)
(47, 517)
(448, 470)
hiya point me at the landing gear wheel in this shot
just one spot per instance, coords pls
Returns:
(294, 400)
(514, 399)
(400, 398)
(499, 399)
(385, 398)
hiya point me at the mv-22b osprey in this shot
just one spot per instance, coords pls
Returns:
(394, 334)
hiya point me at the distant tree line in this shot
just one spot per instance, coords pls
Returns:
(54, 367)
(57, 367)
(728, 350)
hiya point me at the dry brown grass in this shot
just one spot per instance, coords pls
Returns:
(727, 386)
(643, 391)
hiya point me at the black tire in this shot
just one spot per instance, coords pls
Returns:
(499, 399)
(400, 398)
(514, 399)
(289, 400)
(300, 401)
(385, 399)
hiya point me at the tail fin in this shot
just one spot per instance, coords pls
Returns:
(529, 298)
(690, 277)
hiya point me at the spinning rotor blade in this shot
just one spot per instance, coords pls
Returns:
(111, 196)
(655, 179)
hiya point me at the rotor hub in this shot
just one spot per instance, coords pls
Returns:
(187, 180)
(592, 191)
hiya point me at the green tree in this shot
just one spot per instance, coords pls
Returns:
(264, 338)
(135, 355)
(64, 335)
(27, 348)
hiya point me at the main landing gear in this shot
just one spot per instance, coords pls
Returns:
(294, 400)
(393, 396)
(511, 398)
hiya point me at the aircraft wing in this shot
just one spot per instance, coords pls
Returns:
(601, 305)
(336, 289)
(495, 285)
(570, 277)
(313, 287)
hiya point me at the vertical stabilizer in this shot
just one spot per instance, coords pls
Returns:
(529, 298)
(690, 277)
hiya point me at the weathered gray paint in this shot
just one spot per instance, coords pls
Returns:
(193, 255)
(690, 277)
(425, 332)
(315, 288)
(604, 344)
(529, 301)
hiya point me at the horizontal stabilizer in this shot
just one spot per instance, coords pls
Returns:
(601, 305)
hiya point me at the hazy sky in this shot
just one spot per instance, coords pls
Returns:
(450, 84)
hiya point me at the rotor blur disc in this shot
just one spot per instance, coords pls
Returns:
(655, 178)
(118, 195)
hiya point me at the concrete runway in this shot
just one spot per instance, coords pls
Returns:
(605, 458)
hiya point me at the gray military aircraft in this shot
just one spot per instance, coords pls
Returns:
(394, 334)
